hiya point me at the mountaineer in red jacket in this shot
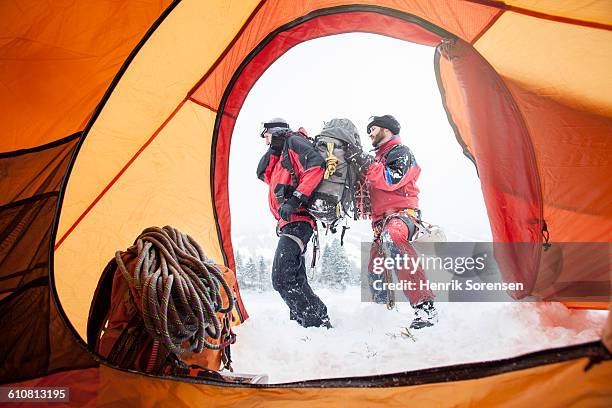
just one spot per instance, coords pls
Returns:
(391, 178)
(293, 169)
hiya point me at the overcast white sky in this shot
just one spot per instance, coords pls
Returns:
(356, 76)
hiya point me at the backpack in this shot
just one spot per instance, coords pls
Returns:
(341, 189)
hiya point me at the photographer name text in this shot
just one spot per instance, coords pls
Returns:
(452, 285)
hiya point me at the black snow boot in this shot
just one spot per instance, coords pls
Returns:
(425, 315)
(326, 323)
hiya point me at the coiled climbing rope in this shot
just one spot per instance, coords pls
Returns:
(331, 162)
(179, 289)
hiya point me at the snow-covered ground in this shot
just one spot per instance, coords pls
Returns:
(366, 337)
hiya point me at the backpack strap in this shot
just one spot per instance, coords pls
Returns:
(100, 304)
(286, 163)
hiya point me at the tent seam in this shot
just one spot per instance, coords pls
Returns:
(541, 15)
(228, 48)
(118, 175)
(486, 28)
(33, 198)
(50, 145)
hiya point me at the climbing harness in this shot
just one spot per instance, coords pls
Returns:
(296, 240)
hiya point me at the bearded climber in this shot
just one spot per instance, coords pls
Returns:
(292, 169)
(391, 179)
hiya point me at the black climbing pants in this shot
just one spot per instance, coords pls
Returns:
(289, 276)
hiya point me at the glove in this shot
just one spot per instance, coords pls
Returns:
(363, 160)
(352, 151)
(278, 141)
(288, 208)
(356, 155)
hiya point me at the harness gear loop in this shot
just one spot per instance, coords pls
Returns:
(344, 228)
(331, 161)
(315, 248)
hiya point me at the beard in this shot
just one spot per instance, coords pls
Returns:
(378, 136)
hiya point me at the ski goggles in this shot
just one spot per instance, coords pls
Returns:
(265, 126)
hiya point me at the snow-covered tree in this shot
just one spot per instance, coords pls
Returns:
(336, 269)
(239, 263)
(263, 275)
(324, 267)
(249, 274)
(239, 270)
(344, 267)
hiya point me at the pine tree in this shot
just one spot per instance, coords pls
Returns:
(343, 266)
(263, 277)
(239, 270)
(327, 266)
(239, 264)
(336, 268)
(250, 274)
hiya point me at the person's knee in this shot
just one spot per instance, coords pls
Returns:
(276, 281)
(279, 279)
(286, 264)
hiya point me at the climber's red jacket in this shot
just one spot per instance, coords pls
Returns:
(391, 179)
(308, 165)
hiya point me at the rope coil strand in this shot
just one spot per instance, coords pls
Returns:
(179, 290)
(331, 162)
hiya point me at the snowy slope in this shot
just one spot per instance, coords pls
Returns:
(365, 339)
